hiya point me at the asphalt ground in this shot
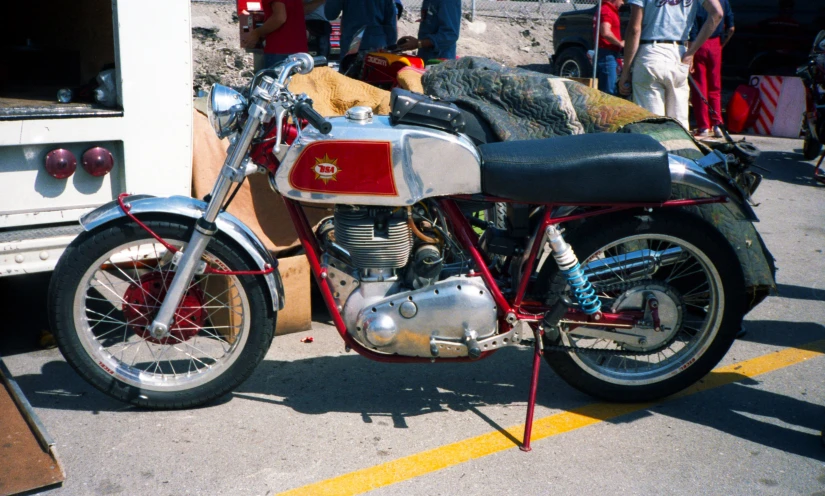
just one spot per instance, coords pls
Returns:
(317, 420)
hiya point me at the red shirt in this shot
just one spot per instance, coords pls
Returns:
(291, 37)
(609, 14)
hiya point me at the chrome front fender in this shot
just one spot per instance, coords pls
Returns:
(693, 174)
(183, 206)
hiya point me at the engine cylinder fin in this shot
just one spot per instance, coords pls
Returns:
(374, 237)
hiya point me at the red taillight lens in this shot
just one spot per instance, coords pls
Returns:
(98, 161)
(60, 163)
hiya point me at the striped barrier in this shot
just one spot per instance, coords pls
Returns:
(782, 106)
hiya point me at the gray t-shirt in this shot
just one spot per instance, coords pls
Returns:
(317, 14)
(667, 19)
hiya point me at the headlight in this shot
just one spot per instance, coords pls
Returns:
(225, 109)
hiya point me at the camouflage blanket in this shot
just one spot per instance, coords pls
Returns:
(521, 105)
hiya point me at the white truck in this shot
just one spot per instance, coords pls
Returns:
(148, 132)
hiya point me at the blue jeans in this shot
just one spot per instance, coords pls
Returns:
(606, 71)
(271, 59)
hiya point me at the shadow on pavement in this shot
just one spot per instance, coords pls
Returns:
(787, 167)
(782, 333)
(772, 420)
(801, 292)
(543, 68)
(377, 391)
(23, 307)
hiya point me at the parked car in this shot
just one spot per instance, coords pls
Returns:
(772, 37)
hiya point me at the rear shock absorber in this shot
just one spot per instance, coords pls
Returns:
(572, 270)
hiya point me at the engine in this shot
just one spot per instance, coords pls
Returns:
(386, 270)
(374, 238)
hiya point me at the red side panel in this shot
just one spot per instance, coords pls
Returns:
(345, 168)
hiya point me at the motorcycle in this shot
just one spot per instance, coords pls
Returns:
(171, 302)
(379, 67)
(813, 75)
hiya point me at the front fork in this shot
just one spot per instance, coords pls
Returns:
(233, 171)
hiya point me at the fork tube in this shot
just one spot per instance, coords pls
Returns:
(204, 230)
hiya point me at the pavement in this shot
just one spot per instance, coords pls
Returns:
(317, 420)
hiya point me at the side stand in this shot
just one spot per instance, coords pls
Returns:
(534, 383)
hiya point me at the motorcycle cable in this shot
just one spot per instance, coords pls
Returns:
(234, 192)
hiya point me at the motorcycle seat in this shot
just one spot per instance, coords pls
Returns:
(585, 168)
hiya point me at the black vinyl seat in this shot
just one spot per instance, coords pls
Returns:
(586, 168)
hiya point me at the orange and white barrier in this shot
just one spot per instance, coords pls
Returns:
(782, 105)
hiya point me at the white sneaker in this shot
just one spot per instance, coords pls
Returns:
(717, 132)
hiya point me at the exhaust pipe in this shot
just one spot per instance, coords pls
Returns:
(631, 266)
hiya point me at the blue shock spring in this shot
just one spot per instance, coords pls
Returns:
(582, 289)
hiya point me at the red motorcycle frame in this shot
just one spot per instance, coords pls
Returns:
(511, 310)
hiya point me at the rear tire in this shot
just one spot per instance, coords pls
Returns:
(591, 372)
(103, 336)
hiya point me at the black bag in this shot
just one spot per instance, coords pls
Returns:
(415, 109)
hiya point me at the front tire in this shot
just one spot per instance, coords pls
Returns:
(105, 291)
(572, 62)
(697, 279)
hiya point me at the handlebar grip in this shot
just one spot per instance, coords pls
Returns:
(320, 61)
(304, 110)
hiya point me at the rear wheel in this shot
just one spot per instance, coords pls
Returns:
(682, 264)
(108, 287)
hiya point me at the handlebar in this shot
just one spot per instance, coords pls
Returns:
(319, 61)
(304, 110)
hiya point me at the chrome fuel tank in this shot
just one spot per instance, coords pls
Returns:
(367, 161)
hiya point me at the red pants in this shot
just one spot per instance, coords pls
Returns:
(707, 73)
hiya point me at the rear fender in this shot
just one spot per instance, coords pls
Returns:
(693, 174)
(183, 206)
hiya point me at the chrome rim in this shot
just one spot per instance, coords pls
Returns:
(570, 68)
(692, 301)
(198, 353)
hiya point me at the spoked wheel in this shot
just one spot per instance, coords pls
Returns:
(681, 280)
(109, 286)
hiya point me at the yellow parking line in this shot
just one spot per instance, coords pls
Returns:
(412, 466)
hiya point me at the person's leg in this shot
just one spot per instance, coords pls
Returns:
(606, 72)
(714, 79)
(648, 91)
(677, 90)
(700, 78)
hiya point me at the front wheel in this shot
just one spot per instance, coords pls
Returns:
(109, 285)
(680, 262)
(572, 62)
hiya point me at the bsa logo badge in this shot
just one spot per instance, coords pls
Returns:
(326, 168)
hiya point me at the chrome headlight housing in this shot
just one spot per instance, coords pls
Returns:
(225, 109)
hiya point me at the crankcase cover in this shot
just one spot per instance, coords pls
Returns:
(404, 322)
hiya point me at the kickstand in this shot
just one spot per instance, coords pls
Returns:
(534, 383)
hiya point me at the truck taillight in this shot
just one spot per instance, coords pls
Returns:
(60, 163)
(98, 161)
